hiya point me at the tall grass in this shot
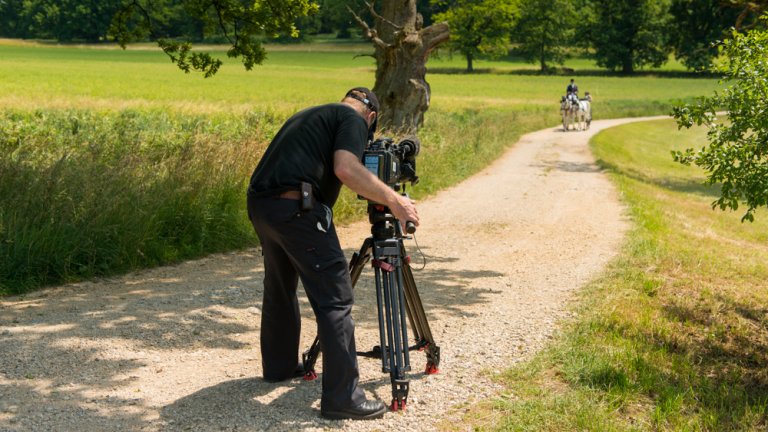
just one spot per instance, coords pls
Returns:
(675, 335)
(86, 193)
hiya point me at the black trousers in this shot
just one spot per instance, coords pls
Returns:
(304, 245)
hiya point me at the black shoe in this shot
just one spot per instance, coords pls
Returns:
(297, 373)
(368, 410)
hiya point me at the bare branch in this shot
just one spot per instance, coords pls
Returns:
(147, 17)
(217, 7)
(381, 18)
(434, 35)
(369, 32)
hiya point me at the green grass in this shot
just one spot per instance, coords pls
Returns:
(114, 160)
(675, 335)
(297, 75)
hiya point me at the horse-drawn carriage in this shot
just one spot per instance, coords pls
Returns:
(576, 112)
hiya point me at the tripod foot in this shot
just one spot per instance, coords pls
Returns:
(397, 405)
(399, 394)
(310, 376)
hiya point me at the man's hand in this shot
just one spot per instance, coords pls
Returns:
(405, 210)
(355, 176)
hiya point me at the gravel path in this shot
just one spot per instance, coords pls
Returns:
(176, 348)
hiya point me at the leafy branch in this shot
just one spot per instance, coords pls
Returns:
(736, 156)
(241, 23)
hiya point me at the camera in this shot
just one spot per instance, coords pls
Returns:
(393, 163)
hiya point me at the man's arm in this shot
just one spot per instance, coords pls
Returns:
(355, 176)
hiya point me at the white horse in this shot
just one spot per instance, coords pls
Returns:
(584, 114)
(566, 112)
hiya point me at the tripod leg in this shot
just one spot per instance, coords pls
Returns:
(359, 259)
(419, 323)
(392, 325)
(356, 264)
(383, 331)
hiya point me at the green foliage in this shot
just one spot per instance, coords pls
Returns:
(86, 193)
(628, 34)
(544, 30)
(62, 20)
(478, 27)
(737, 154)
(700, 25)
(333, 16)
(242, 24)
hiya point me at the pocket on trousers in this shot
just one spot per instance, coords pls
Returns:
(322, 265)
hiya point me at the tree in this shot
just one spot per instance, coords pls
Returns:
(241, 22)
(544, 30)
(478, 27)
(628, 34)
(62, 20)
(402, 46)
(700, 23)
(13, 22)
(737, 154)
(333, 16)
(749, 11)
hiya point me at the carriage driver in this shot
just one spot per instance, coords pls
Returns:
(572, 88)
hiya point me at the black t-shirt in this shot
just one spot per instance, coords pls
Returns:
(303, 151)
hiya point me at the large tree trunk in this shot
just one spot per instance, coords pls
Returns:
(402, 50)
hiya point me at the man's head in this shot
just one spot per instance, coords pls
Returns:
(364, 96)
(366, 103)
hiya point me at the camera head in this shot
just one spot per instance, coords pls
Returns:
(393, 163)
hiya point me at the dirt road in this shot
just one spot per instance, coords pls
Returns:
(176, 348)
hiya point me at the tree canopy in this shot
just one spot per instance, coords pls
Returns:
(545, 30)
(699, 24)
(737, 154)
(241, 24)
(627, 34)
(478, 27)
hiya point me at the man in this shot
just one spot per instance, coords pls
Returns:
(322, 148)
(572, 88)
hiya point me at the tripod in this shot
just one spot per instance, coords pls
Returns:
(396, 298)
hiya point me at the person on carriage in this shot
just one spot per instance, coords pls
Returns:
(572, 88)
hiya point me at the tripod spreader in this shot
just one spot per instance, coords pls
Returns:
(396, 300)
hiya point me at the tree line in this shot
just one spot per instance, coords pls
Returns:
(621, 35)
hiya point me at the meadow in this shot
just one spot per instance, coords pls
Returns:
(674, 336)
(113, 160)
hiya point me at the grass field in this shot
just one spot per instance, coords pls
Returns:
(294, 76)
(115, 160)
(675, 335)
